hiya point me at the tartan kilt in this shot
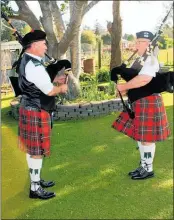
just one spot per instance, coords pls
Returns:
(150, 123)
(34, 131)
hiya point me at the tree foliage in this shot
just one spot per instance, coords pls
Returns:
(106, 39)
(88, 37)
(98, 28)
(168, 30)
(166, 38)
(165, 42)
(6, 8)
(129, 37)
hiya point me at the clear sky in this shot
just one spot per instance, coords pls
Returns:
(136, 15)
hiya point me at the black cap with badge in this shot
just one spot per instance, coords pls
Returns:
(145, 34)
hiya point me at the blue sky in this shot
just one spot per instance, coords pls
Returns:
(136, 15)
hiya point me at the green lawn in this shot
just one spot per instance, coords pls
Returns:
(89, 163)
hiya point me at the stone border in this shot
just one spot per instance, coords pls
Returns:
(92, 109)
(79, 111)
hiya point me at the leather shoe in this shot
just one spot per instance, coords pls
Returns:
(143, 174)
(135, 172)
(46, 184)
(40, 193)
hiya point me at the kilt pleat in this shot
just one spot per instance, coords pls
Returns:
(150, 123)
(34, 131)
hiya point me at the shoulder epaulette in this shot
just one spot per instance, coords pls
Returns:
(36, 62)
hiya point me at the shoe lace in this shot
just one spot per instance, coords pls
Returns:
(139, 168)
(142, 171)
(42, 190)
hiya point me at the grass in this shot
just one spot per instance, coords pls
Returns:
(89, 163)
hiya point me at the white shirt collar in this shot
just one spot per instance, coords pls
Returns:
(36, 57)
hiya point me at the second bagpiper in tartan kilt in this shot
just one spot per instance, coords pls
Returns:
(34, 131)
(150, 123)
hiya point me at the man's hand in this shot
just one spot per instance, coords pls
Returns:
(60, 79)
(63, 88)
(58, 90)
(121, 88)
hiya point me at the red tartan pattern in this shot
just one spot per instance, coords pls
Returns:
(34, 131)
(150, 123)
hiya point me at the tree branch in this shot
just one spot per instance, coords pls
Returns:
(71, 7)
(73, 26)
(89, 6)
(15, 17)
(27, 15)
(46, 17)
(47, 23)
(58, 21)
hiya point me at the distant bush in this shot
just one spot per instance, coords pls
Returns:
(103, 75)
(86, 77)
(88, 37)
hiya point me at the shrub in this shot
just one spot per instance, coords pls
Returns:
(91, 92)
(103, 75)
(85, 77)
(88, 37)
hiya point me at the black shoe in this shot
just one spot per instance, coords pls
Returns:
(135, 172)
(40, 193)
(46, 184)
(143, 174)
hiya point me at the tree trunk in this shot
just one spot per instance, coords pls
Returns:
(75, 47)
(116, 34)
(73, 27)
(47, 24)
(75, 50)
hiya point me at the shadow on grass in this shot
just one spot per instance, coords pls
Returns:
(6, 118)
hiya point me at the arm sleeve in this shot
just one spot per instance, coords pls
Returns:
(38, 76)
(150, 68)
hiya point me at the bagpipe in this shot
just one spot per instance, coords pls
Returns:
(54, 67)
(164, 81)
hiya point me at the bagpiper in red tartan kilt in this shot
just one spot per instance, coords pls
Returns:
(150, 123)
(34, 131)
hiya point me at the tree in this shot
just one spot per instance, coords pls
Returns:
(168, 30)
(76, 43)
(26, 29)
(6, 33)
(125, 36)
(106, 39)
(98, 28)
(86, 27)
(60, 37)
(165, 42)
(88, 37)
(115, 30)
(6, 8)
(130, 37)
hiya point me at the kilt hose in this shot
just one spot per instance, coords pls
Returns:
(150, 123)
(34, 131)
